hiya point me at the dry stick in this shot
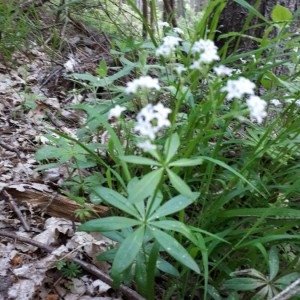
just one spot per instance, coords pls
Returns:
(289, 292)
(128, 292)
(11, 149)
(9, 199)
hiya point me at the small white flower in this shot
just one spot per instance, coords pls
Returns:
(208, 57)
(116, 112)
(178, 30)
(180, 69)
(163, 24)
(151, 119)
(196, 65)
(257, 108)
(163, 51)
(275, 102)
(207, 49)
(222, 70)
(239, 87)
(292, 100)
(144, 82)
(169, 45)
(146, 145)
(171, 41)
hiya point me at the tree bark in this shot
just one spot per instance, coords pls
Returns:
(234, 17)
(145, 16)
(169, 14)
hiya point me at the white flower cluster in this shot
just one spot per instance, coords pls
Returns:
(208, 52)
(150, 120)
(238, 87)
(163, 24)
(144, 82)
(168, 46)
(242, 86)
(222, 70)
(257, 108)
(116, 112)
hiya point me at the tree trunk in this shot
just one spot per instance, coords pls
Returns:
(234, 18)
(145, 16)
(169, 14)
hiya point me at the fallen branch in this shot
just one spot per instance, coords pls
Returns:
(128, 292)
(11, 149)
(9, 199)
(289, 292)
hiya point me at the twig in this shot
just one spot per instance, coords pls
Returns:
(128, 292)
(289, 292)
(9, 199)
(9, 148)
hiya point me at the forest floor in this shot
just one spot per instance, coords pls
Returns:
(37, 223)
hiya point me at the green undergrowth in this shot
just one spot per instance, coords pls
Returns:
(15, 27)
(200, 165)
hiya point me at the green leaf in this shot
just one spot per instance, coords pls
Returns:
(174, 205)
(243, 284)
(281, 14)
(287, 279)
(225, 166)
(172, 246)
(108, 224)
(270, 238)
(179, 184)
(273, 262)
(249, 272)
(175, 226)
(251, 9)
(146, 186)
(47, 152)
(128, 251)
(186, 162)
(151, 270)
(166, 267)
(171, 146)
(213, 292)
(117, 200)
(153, 204)
(102, 68)
(283, 213)
(214, 236)
(137, 160)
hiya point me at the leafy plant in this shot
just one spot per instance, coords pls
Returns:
(199, 163)
(265, 286)
(14, 28)
(68, 269)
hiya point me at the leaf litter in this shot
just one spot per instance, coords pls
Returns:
(32, 93)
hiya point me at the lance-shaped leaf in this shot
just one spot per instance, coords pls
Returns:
(173, 247)
(146, 186)
(243, 284)
(171, 146)
(273, 262)
(173, 205)
(137, 160)
(179, 184)
(108, 224)
(186, 162)
(175, 226)
(117, 200)
(128, 251)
